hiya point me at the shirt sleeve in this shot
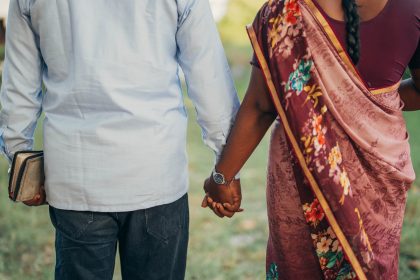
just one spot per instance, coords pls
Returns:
(208, 77)
(21, 92)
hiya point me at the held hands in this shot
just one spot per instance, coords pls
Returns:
(224, 200)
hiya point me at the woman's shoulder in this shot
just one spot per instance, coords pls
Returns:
(408, 10)
(409, 6)
(416, 8)
(269, 9)
(262, 14)
(415, 4)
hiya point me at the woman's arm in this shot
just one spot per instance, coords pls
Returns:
(255, 116)
(410, 91)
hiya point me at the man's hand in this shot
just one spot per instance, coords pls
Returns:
(224, 200)
(38, 199)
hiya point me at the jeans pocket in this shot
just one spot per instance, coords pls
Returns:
(72, 224)
(166, 221)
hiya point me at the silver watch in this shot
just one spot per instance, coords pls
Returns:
(218, 178)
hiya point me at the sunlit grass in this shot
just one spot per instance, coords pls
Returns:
(1, 52)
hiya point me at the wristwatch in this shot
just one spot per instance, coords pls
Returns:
(220, 179)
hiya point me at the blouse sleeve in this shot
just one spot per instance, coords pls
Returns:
(260, 27)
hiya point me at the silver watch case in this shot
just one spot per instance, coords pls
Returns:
(219, 178)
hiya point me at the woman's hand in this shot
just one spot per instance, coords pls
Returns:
(255, 116)
(224, 200)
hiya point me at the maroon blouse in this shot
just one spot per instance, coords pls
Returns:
(389, 42)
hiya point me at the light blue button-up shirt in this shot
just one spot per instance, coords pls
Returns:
(115, 122)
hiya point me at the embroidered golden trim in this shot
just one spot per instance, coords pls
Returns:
(341, 52)
(318, 193)
(392, 88)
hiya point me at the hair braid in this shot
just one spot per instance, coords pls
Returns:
(352, 27)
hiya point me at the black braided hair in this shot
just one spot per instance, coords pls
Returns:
(352, 27)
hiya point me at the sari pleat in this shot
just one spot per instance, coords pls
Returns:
(289, 234)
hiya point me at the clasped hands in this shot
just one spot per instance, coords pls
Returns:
(224, 200)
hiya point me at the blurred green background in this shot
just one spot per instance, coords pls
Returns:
(219, 248)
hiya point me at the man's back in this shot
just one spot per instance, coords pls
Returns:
(115, 122)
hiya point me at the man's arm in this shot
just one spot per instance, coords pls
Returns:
(203, 60)
(21, 92)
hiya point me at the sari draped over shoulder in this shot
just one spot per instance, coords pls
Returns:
(339, 166)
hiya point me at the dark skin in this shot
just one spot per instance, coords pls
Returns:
(409, 91)
(255, 116)
(257, 113)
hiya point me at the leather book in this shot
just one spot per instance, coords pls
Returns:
(26, 176)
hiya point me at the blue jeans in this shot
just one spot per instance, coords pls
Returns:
(152, 243)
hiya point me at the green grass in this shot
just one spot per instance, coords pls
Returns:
(219, 249)
(1, 52)
(412, 119)
(410, 239)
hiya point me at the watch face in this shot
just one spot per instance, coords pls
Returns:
(218, 178)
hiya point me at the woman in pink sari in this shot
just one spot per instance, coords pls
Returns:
(339, 164)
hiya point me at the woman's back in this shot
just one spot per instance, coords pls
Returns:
(389, 41)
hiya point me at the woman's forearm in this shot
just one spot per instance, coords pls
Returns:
(409, 95)
(246, 134)
(252, 122)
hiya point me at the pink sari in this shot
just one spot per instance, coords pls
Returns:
(339, 166)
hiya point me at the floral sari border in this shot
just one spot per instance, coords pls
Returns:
(301, 159)
(341, 52)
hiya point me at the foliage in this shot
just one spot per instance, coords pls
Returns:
(1, 52)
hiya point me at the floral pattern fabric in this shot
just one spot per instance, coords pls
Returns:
(272, 274)
(340, 161)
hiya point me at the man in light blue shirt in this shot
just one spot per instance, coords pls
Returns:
(115, 123)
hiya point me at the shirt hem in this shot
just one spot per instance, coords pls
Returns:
(117, 208)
